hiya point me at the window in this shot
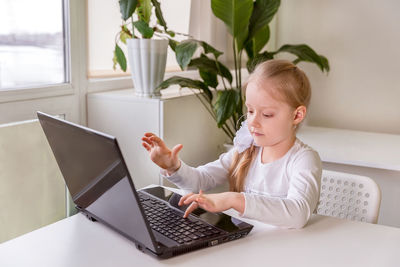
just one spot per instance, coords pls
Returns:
(55, 94)
(33, 47)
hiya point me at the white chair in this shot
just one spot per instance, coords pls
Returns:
(349, 196)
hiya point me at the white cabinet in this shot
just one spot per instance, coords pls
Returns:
(176, 118)
(376, 155)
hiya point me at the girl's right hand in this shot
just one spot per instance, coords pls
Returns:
(160, 154)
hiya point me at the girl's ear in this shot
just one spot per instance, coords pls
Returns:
(299, 114)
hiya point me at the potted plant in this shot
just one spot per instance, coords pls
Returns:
(146, 45)
(248, 23)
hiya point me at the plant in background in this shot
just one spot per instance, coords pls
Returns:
(137, 16)
(248, 24)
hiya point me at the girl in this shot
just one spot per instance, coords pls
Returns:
(273, 176)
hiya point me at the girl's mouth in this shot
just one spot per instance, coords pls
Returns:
(252, 130)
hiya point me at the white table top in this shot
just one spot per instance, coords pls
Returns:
(173, 91)
(374, 150)
(325, 241)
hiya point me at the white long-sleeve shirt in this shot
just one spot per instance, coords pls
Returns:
(284, 192)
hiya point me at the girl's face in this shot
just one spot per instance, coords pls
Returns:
(270, 121)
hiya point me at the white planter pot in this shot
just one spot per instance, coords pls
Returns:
(147, 59)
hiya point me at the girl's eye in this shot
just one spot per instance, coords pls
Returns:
(250, 112)
(267, 115)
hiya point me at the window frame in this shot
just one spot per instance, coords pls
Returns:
(32, 92)
(74, 33)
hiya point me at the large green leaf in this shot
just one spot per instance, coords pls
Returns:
(209, 49)
(185, 50)
(236, 16)
(159, 15)
(186, 82)
(226, 104)
(144, 29)
(127, 7)
(144, 10)
(253, 62)
(209, 78)
(261, 39)
(172, 43)
(263, 12)
(305, 53)
(325, 62)
(254, 46)
(206, 64)
(120, 56)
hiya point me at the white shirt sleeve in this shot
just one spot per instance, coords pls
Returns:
(204, 177)
(295, 210)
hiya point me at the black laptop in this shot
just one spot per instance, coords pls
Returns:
(101, 188)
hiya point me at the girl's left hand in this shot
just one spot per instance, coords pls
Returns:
(210, 202)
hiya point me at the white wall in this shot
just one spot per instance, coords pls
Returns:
(361, 39)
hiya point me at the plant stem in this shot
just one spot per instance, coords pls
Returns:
(204, 102)
(219, 70)
(133, 28)
(240, 70)
(241, 96)
(228, 131)
(233, 119)
(230, 134)
(235, 60)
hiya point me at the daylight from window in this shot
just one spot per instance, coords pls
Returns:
(31, 43)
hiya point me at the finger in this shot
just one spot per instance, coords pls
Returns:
(191, 199)
(191, 208)
(207, 204)
(148, 141)
(146, 146)
(176, 149)
(203, 201)
(157, 140)
(149, 134)
(180, 203)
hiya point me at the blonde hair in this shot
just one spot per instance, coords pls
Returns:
(292, 87)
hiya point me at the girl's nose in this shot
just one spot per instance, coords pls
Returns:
(253, 122)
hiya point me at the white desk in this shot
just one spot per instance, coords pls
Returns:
(325, 241)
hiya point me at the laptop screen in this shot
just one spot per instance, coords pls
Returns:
(84, 159)
(96, 175)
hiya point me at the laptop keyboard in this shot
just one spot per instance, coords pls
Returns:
(168, 222)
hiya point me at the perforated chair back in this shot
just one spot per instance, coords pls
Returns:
(349, 196)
